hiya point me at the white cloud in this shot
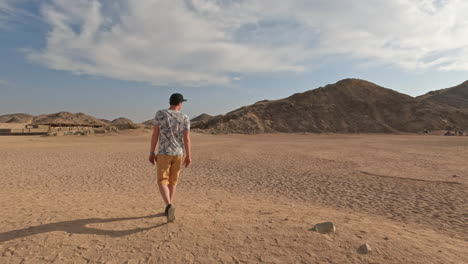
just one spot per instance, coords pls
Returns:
(6, 10)
(192, 42)
(10, 14)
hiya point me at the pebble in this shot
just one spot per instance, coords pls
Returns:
(364, 249)
(326, 227)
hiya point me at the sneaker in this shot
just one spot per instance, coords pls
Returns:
(167, 209)
(171, 214)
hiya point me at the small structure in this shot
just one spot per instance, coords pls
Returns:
(450, 133)
(27, 130)
(64, 125)
(43, 129)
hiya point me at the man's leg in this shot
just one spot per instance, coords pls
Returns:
(164, 167)
(172, 189)
(174, 173)
(165, 192)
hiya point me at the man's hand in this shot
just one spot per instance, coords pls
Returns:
(154, 141)
(153, 158)
(187, 161)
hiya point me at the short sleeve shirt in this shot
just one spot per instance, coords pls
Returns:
(172, 125)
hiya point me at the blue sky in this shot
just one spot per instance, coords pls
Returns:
(124, 58)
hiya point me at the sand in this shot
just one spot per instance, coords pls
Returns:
(245, 199)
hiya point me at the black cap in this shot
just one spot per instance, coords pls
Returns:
(176, 99)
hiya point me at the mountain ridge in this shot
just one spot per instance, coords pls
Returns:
(61, 118)
(456, 96)
(348, 106)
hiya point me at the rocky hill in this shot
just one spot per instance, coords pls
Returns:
(16, 118)
(349, 106)
(148, 122)
(67, 118)
(108, 122)
(456, 96)
(121, 121)
(124, 123)
(201, 117)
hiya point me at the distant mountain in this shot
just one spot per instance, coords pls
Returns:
(456, 96)
(16, 118)
(67, 118)
(350, 105)
(201, 117)
(125, 123)
(148, 122)
(105, 121)
(121, 121)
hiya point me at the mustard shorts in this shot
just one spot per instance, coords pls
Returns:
(168, 168)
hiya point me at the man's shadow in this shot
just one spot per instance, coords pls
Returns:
(78, 227)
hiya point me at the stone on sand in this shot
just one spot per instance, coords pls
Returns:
(326, 227)
(364, 249)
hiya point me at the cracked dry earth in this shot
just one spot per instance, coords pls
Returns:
(245, 199)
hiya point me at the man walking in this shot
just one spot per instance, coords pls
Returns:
(172, 129)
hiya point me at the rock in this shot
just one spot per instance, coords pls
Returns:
(83, 133)
(100, 130)
(326, 227)
(112, 129)
(9, 252)
(364, 249)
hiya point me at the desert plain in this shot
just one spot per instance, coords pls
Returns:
(245, 199)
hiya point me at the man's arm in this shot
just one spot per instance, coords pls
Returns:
(154, 142)
(188, 156)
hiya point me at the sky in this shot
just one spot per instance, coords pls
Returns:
(124, 58)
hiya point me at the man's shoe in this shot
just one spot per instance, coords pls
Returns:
(171, 214)
(167, 209)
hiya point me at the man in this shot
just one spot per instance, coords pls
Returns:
(172, 129)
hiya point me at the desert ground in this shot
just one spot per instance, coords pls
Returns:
(245, 199)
